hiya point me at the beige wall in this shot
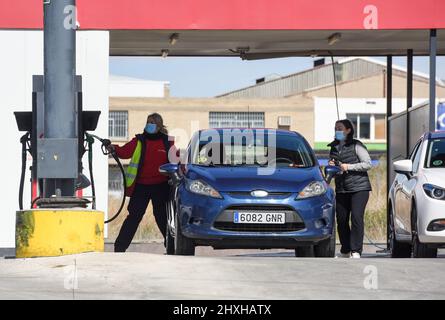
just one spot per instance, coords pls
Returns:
(188, 115)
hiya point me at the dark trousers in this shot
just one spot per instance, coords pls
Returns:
(142, 194)
(350, 220)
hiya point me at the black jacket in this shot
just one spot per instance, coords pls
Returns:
(350, 181)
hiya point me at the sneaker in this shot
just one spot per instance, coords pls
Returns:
(343, 255)
(355, 255)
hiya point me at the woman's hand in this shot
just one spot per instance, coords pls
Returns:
(344, 167)
(111, 148)
(331, 163)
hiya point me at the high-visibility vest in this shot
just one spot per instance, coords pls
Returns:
(135, 162)
(132, 169)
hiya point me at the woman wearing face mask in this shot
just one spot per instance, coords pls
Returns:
(352, 187)
(148, 151)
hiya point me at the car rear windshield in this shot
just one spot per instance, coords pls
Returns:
(256, 149)
(436, 154)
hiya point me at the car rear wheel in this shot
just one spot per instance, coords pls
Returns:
(326, 248)
(183, 245)
(398, 249)
(420, 250)
(304, 252)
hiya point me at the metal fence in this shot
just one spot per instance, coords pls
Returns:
(403, 142)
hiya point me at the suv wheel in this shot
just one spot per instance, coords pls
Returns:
(326, 248)
(183, 245)
(398, 249)
(304, 251)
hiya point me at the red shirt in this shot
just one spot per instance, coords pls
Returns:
(155, 156)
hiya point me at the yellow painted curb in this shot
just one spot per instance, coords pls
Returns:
(49, 233)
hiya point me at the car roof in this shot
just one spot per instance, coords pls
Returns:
(277, 131)
(436, 135)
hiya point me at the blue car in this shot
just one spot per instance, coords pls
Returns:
(250, 188)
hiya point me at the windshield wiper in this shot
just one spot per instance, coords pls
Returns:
(213, 165)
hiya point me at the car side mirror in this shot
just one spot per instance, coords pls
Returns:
(171, 170)
(168, 169)
(403, 167)
(330, 172)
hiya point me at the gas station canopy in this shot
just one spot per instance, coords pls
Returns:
(254, 29)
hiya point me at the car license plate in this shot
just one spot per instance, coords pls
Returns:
(259, 217)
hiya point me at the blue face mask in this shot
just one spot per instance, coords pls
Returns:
(340, 135)
(151, 128)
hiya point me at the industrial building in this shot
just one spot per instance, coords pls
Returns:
(303, 101)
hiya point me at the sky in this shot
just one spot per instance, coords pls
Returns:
(208, 77)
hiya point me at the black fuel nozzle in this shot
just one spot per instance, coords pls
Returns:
(107, 147)
(336, 160)
(106, 142)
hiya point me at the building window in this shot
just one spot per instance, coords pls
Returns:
(115, 183)
(284, 122)
(362, 125)
(118, 124)
(380, 127)
(365, 126)
(369, 126)
(236, 120)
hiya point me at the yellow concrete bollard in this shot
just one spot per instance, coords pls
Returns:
(56, 232)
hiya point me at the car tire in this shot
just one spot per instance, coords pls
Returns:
(398, 249)
(169, 242)
(304, 252)
(183, 245)
(420, 250)
(326, 248)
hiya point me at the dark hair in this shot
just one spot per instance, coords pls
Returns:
(159, 121)
(348, 125)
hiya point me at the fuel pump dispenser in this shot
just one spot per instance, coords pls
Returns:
(58, 220)
(56, 135)
(51, 160)
(30, 122)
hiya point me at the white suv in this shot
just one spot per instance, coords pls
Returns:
(417, 200)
